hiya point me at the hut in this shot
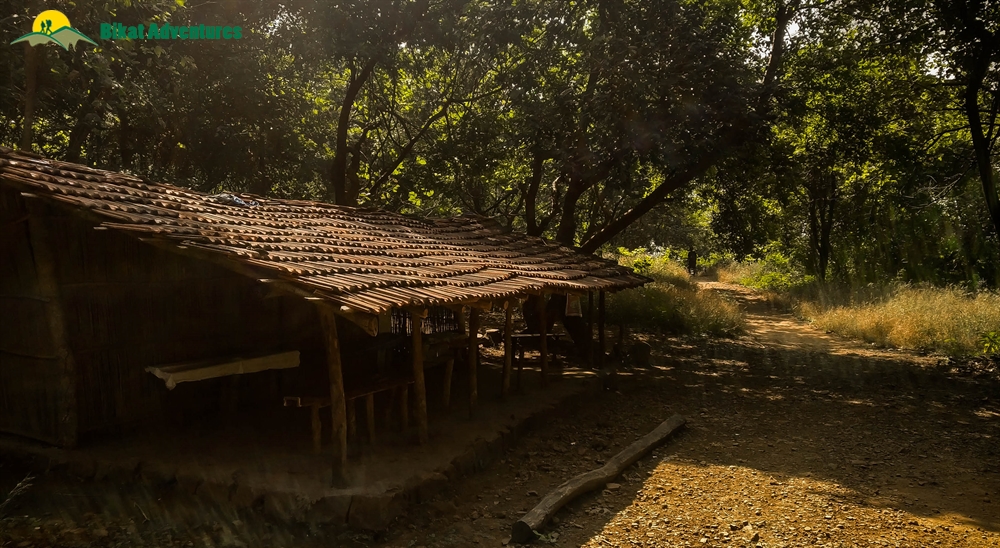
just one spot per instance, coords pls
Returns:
(114, 290)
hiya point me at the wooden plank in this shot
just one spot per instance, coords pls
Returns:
(404, 407)
(175, 373)
(352, 421)
(590, 329)
(370, 417)
(508, 348)
(338, 403)
(473, 359)
(524, 529)
(449, 371)
(600, 330)
(48, 285)
(543, 343)
(317, 429)
(419, 388)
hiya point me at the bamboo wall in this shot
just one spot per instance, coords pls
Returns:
(32, 391)
(128, 305)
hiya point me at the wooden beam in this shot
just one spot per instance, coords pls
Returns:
(404, 407)
(419, 388)
(524, 529)
(508, 348)
(370, 417)
(590, 329)
(338, 402)
(449, 371)
(600, 330)
(543, 340)
(473, 358)
(463, 326)
(41, 239)
(317, 429)
(352, 421)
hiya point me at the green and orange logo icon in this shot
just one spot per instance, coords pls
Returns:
(52, 27)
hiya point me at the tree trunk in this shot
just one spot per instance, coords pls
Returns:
(30, 95)
(980, 141)
(567, 224)
(653, 199)
(338, 172)
(531, 194)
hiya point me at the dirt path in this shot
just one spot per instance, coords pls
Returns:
(795, 438)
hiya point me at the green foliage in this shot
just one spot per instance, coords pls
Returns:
(672, 303)
(670, 309)
(659, 267)
(990, 342)
(776, 272)
(558, 118)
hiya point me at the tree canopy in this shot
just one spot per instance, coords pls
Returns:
(856, 135)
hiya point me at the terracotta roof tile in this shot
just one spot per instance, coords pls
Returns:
(363, 258)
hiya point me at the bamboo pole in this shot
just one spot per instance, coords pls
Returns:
(508, 348)
(600, 330)
(419, 388)
(590, 329)
(370, 417)
(338, 402)
(543, 340)
(449, 371)
(473, 358)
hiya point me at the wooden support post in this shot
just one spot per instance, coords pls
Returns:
(462, 325)
(419, 388)
(370, 417)
(520, 365)
(600, 330)
(404, 407)
(317, 429)
(473, 358)
(387, 418)
(543, 343)
(338, 403)
(352, 422)
(590, 329)
(449, 371)
(508, 350)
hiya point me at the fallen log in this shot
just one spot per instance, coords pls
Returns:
(524, 529)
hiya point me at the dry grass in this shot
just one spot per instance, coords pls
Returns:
(672, 303)
(732, 273)
(943, 319)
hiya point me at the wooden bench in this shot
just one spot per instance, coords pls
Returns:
(175, 373)
(440, 350)
(366, 391)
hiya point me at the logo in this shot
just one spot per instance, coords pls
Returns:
(52, 27)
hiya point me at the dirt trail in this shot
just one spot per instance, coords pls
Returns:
(783, 330)
(795, 438)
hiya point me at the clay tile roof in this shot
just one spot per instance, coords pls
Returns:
(366, 259)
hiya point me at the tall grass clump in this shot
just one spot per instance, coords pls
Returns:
(947, 320)
(672, 303)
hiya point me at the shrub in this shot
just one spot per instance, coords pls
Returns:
(662, 306)
(658, 267)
